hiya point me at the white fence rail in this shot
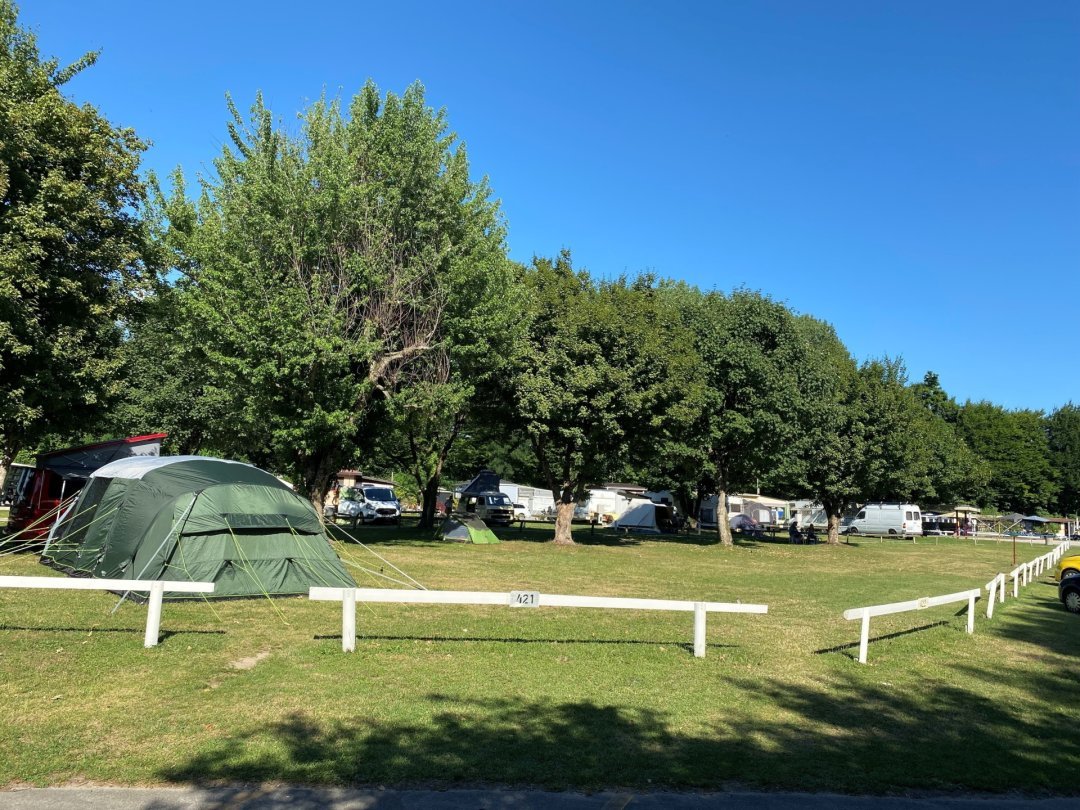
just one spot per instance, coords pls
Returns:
(865, 613)
(522, 599)
(1021, 575)
(156, 589)
(1025, 572)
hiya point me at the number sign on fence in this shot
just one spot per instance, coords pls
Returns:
(350, 596)
(156, 589)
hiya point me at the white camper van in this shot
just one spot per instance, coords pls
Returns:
(904, 519)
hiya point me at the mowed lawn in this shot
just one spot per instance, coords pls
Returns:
(256, 690)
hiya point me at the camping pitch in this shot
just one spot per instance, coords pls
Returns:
(199, 519)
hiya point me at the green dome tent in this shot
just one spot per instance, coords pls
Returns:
(198, 519)
(461, 529)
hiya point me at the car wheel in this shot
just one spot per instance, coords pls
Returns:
(1068, 572)
(892, 531)
(1072, 601)
(852, 530)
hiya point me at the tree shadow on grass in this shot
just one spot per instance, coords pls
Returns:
(850, 734)
(1038, 618)
(845, 649)
(164, 634)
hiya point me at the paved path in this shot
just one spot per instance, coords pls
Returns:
(297, 798)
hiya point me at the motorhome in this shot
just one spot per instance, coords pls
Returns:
(904, 519)
(483, 499)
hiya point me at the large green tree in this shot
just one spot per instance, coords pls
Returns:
(827, 451)
(169, 384)
(1064, 428)
(436, 396)
(71, 246)
(748, 349)
(598, 379)
(864, 436)
(954, 472)
(320, 265)
(1016, 446)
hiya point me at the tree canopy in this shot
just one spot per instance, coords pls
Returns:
(320, 266)
(72, 246)
(598, 376)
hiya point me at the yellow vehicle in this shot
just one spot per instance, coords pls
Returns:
(1069, 564)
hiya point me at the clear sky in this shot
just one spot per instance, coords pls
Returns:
(908, 171)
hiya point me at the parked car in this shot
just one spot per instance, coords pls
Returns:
(1067, 566)
(1069, 592)
(520, 512)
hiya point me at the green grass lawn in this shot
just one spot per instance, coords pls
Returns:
(260, 691)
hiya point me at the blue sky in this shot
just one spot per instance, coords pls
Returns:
(908, 171)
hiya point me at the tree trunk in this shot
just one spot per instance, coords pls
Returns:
(318, 471)
(192, 444)
(564, 514)
(430, 499)
(5, 465)
(832, 511)
(723, 525)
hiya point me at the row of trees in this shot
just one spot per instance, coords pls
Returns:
(342, 295)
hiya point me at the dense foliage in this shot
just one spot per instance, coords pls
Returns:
(71, 246)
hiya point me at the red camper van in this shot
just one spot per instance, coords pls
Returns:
(62, 473)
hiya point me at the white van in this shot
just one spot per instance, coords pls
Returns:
(370, 502)
(904, 519)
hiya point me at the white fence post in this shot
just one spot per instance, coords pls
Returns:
(972, 596)
(699, 629)
(348, 620)
(153, 615)
(996, 587)
(864, 636)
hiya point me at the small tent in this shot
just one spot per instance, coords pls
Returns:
(467, 530)
(197, 519)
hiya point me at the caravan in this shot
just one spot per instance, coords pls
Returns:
(603, 506)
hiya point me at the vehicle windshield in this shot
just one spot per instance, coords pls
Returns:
(499, 500)
(379, 494)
